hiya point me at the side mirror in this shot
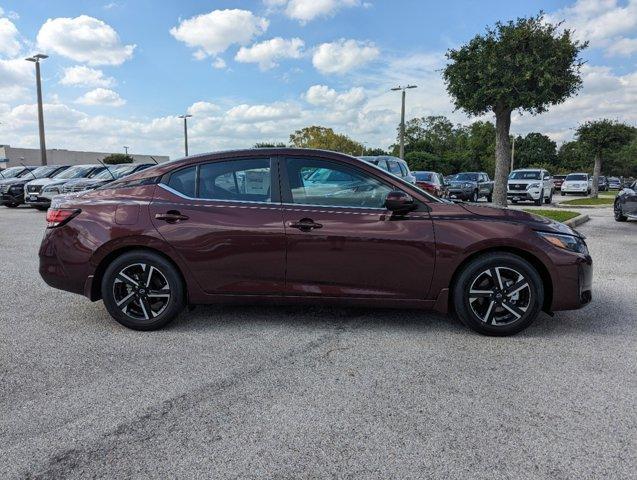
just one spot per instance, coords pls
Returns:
(400, 202)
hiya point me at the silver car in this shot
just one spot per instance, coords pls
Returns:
(393, 165)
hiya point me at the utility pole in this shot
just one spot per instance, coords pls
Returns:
(36, 59)
(402, 117)
(185, 117)
(512, 152)
(126, 150)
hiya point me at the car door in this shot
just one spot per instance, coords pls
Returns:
(630, 200)
(342, 242)
(224, 218)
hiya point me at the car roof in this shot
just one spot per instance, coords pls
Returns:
(528, 169)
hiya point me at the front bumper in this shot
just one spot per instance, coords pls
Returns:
(574, 189)
(12, 199)
(533, 194)
(460, 193)
(573, 285)
(39, 199)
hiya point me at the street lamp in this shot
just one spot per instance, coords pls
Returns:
(126, 150)
(185, 117)
(36, 59)
(402, 117)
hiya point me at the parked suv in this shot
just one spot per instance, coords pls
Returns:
(9, 175)
(530, 184)
(625, 205)
(40, 192)
(576, 183)
(393, 165)
(298, 226)
(471, 186)
(108, 175)
(15, 188)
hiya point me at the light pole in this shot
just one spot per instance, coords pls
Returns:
(36, 59)
(402, 117)
(126, 150)
(185, 117)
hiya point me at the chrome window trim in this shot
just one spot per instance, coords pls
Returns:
(179, 194)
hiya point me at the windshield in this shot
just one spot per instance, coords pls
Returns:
(423, 176)
(79, 171)
(11, 172)
(576, 176)
(524, 175)
(471, 177)
(44, 172)
(117, 172)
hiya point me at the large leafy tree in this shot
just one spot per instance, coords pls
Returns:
(326, 139)
(603, 137)
(533, 150)
(526, 65)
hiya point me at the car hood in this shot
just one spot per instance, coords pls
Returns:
(14, 181)
(46, 181)
(460, 183)
(536, 222)
(525, 181)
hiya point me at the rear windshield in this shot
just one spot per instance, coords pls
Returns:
(524, 176)
(472, 177)
(577, 176)
(423, 176)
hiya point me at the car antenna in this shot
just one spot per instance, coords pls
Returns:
(153, 159)
(108, 169)
(28, 170)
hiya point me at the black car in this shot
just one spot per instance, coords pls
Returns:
(7, 179)
(625, 206)
(106, 176)
(471, 186)
(12, 190)
(602, 184)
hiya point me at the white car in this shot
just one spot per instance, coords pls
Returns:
(38, 193)
(530, 184)
(577, 183)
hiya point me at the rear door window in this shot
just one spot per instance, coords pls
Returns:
(183, 181)
(239, 180)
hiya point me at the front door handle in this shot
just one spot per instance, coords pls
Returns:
(171, 216)
(305, 225)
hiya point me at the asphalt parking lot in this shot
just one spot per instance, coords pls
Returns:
(255, 392)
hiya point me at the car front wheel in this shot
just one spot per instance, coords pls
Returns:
(619, 214)
(498, 294)
(142, 290)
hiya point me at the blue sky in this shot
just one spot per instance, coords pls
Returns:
(251, 71)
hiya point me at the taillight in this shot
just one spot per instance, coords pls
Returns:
(56, 217)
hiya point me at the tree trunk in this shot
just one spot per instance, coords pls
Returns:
(502, 156)
(597, 169)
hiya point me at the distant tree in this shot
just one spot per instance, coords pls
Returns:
(481, 145)
(520, 65)
(623, 162)
(423, 161)
(603, 137)
(374, 152)
(534, 149)
(572, 157)
(117, 158)
(269, 145)
(326, 139)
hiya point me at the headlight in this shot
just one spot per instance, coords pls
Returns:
(468, 185)
(15, 188)
(565, 242)
(532, 185)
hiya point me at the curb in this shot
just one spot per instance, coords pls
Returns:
(574, 222)
(577, 207)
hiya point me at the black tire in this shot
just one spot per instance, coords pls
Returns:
(490, 198)
(11, 205)
(474, 197)
(562, 193)
(41, 208)
(549, 199)
(136, 316)
(539, 201)
(531, 297)
(618, 212)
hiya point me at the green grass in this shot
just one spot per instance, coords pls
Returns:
(604, 200)
(558, 215)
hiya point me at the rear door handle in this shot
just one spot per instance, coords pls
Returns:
(305, 225)
(171, 216)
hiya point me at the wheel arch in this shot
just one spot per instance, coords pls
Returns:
(547, 281)
(96, 285)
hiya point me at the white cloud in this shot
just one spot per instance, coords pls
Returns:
(16, 78)
(9, 43)
(323, 96)
(101, 96)
(203, 109)
(622, 47)
(261, 113)
(601, 22)
(343, 55)
(212, 33)
(268, 52)
(219, 63)
(307, 10)
(81, 75)
(84, 39)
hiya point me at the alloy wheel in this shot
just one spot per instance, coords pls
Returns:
(141, 291)
(500, 296)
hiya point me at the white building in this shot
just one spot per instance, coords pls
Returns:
(11, 157)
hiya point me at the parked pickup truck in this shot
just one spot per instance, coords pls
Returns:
(471, 186)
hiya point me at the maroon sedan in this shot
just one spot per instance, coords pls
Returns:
(305, 226)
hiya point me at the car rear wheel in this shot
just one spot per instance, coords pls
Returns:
(539, 200)
(549, 199)
(498, 294)
(474, 197)
(142, 290)
(619, 214)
